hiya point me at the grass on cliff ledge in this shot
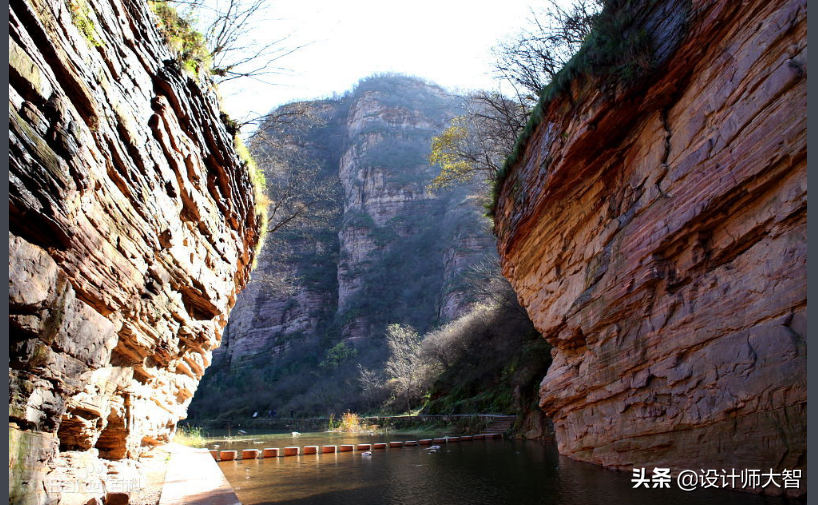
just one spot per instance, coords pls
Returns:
(259, 181)
(194, 57)
(81, 17)
(616, 52)
(189, 45)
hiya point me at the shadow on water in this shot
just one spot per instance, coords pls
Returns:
(476, 473)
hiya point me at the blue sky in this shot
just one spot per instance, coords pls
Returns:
(445, 41)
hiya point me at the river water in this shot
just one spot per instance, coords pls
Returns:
(477, 472)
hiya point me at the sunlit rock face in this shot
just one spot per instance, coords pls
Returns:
(132, 228)
(657, 239)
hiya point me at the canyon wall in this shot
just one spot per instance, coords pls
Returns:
(133, 226)
(294, 289)
(387, 210)
(656, 234)
(390, 252)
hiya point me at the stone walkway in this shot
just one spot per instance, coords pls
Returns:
(194, 478)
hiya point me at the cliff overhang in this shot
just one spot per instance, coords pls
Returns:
(656, 234)
(133, 226)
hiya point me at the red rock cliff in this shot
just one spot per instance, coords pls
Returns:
(657, 238)
(132, 228)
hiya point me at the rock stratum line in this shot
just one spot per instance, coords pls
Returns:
(132, 229)
(657, 237)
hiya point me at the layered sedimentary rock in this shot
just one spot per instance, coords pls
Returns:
(656, 235)
(132, 229)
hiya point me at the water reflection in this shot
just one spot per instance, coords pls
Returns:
(479, 472)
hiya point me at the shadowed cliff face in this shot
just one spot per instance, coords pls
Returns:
(133, 226)
(395, 234)
(657, 237)
(392, 253)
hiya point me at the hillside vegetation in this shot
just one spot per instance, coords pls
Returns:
(314, 333)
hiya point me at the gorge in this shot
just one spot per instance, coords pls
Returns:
(388, 252)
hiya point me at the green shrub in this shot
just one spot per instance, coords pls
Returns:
(80, 16)
(337, 355)
(188, 44)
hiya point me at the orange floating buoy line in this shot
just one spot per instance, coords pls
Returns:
(276, 452)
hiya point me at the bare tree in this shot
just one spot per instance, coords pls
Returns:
(301, 198)
(405, 367)
(456, 340)
(530, 61)
(480, 141)
(297, 191)
(296, 187)
(233, 31)
(288, 120)
(371, 383)
(277, 275)
(236, 51)
(304, 196)
(486, 282)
